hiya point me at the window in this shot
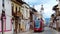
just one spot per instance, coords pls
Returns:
(16, 9)
(19, 8)
(12, 9)
(3, 3)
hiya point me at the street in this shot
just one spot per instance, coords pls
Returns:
(27, 16)
(46, 31)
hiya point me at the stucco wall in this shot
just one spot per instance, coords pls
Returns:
(8, 16)
(0, 12)
(25, 11)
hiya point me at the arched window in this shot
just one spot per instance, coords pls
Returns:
(16, 10)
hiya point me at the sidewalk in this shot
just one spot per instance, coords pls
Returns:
(28, 32)
(54, 31)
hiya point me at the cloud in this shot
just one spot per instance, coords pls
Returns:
(47, 4)
(36, 2)
(47, 9)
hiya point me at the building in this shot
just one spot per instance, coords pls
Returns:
(12, 10)
(16, 13)
(58, 4)
(33, 16)
(56, 17)
(25, 10)
(5, 6)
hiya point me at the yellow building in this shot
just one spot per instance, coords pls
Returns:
(16, 13)
(21, 14)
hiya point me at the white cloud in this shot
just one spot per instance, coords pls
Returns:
(30, 1)
(48, 4)
(47, 9)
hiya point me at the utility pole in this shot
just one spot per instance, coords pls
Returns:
(3, 11)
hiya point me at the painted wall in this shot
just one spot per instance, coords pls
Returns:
(15, 5)
(0, 12)
(26, 15)
(8, 13)
(25, 11)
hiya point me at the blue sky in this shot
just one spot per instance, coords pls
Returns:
(47, 4)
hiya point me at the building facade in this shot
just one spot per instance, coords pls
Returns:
(26, 14)
(16, 13)
(33, 17)
(7, 24)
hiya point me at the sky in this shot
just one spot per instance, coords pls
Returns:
(47, 4)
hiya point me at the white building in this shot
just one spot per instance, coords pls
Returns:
(58, 4)
(26, 14)
(25, 11)
(8, 24)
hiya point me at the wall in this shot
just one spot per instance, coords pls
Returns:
(25, 11)
(15, 4)
(0, 12)
(26, 15)
(8, 24)
(8, 17)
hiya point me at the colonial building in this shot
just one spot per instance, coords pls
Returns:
(26, 14)
(5, 7)
(16, 13)
(56, 19)
(11, 9)
(33, 16)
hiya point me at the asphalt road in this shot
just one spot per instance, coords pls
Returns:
(47, 30)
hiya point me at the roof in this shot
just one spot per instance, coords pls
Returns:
(33, 9)
(20, 1)
(55, 7)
